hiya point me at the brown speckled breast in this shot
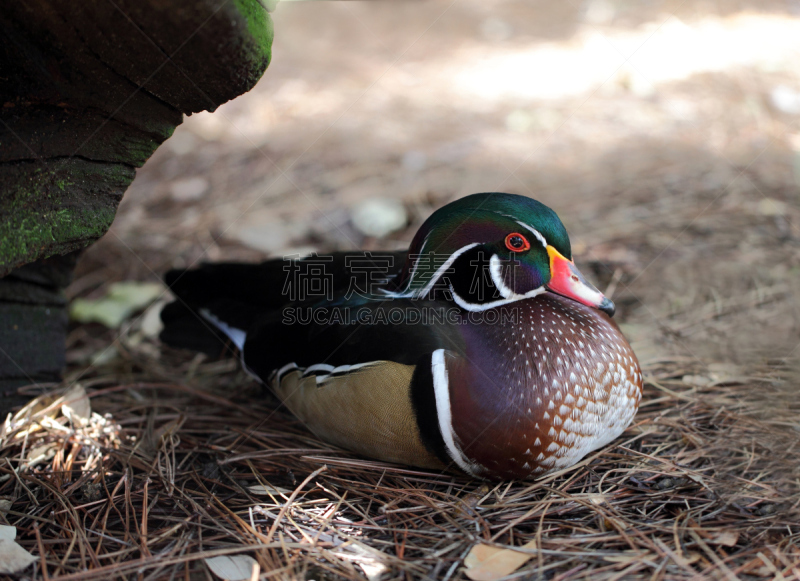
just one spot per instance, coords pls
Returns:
(537, 394)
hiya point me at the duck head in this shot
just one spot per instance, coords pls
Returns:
(490, 249)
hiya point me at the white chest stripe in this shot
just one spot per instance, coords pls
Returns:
(441, 388)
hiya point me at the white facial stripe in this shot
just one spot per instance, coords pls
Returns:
(477, 307)
(509, 296)
(441, 388)
(407, 293)
(416, 262)
(496, 270)
(424, 242)
(533, 231)
(442, 269)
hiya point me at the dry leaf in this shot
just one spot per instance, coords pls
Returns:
(122, 301)
(471, 500)
(268, 489)
(41, 454)
(168, 429)
(234, 567)
(372, 568)
(8, 533)
(726, 539)
(151, 324)
(487, 563)
(597, 499)
(628, 557)
(76, 404)
(369, 560)
(13, 558)
(696, 380)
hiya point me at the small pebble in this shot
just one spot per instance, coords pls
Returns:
(378, 217)
(189, 189)
(766, 509)
(696, 380)
(785, 100)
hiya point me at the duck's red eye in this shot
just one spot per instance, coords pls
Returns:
(516, 242)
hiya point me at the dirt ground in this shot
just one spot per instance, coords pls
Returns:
(650, 129)
(666, 135)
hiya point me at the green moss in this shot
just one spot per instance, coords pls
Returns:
(260, 27)
(42, 234)
(140, 149)
(56, 207)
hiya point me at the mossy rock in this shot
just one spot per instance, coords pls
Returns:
(91, 89)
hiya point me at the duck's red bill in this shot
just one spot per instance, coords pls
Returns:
(567, 280)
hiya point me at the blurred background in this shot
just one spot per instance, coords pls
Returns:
(665, 134)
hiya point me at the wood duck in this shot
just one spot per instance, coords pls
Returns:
(482, 348)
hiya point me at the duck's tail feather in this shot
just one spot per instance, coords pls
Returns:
(185, 328)
(216, 303)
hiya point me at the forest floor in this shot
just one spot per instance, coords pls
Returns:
(666, 135)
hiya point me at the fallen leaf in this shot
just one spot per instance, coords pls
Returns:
(41, 454)
(487, 563)
(471, 500)
(596, 498)
(697, 478)
(693, 558)
(268, 489)
(372, 568)
(234, 567)
(696, 380)
(369, 560)
(154, 438)
(726, 539)
(13, 558)
(151, 324)
(8, 533)
(168, 429)
(76, 404)
(123, 299)
(628, 557)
